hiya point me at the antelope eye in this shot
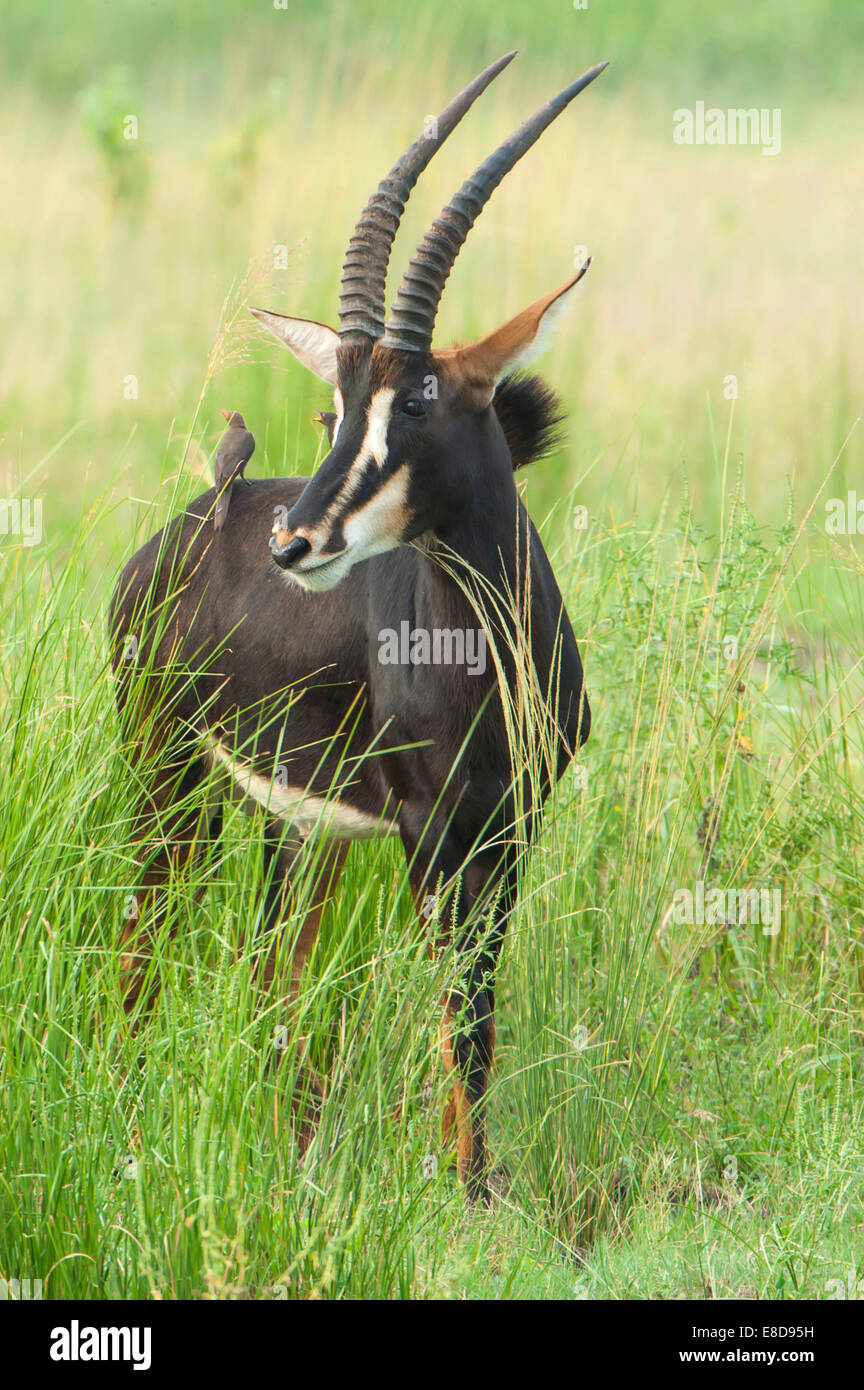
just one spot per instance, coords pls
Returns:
(414, 407)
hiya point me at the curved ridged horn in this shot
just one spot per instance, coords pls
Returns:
(364, 273)
(416, 304)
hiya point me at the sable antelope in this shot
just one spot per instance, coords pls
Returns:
(413, 517)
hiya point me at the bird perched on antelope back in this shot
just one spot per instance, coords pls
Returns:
(236, 448)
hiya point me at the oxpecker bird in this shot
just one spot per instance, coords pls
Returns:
(236, 448)
(327, 418)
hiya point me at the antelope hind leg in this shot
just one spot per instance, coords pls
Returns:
(280, 965)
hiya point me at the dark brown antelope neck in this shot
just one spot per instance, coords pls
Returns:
(413, 316)
(364, 273)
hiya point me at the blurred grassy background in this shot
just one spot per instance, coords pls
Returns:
(261, 127)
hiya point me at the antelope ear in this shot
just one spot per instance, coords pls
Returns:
(313, 344)
(518, 341)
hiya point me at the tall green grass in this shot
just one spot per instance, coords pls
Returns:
(676, 1110)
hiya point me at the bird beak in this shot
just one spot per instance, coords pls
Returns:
(226, 413)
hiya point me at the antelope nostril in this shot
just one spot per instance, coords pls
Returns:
(287, 555)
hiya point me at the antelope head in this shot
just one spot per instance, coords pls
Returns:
(414, 428)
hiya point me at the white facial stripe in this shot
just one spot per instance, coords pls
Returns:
(374, 446)
(332, 819)
(382, 517)
(376, 526)
(339, 407)
(375, 443)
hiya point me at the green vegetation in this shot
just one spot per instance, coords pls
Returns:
(677, 1109)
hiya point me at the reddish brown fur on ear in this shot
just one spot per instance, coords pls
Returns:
(514, 343)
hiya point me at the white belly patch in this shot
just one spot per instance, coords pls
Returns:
(325, 816)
